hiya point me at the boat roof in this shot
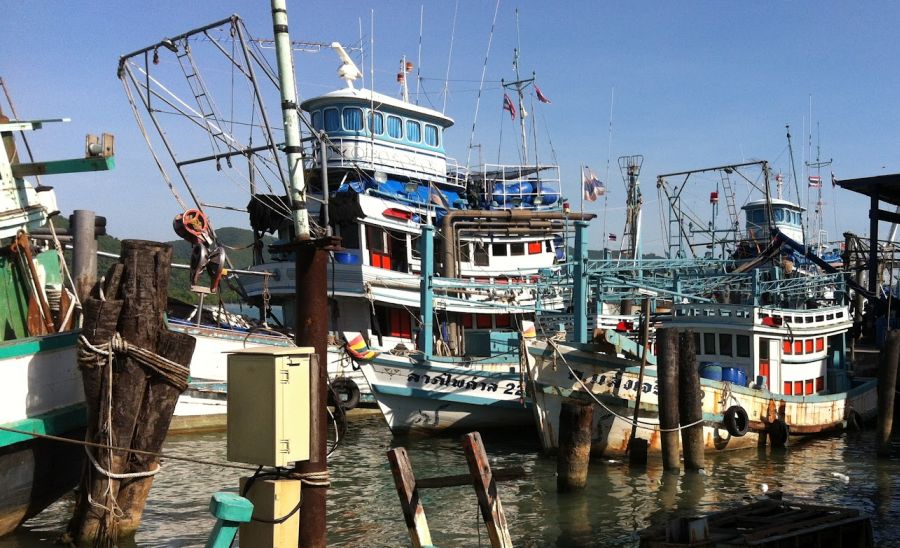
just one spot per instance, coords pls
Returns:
(775, 202)
(369, 96)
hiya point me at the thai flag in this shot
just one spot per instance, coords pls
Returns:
(591, 186)
(815, 181)
(508, 106)
(611, 237)
(540, 96)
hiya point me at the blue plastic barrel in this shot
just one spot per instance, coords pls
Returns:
(730, 374)
(344, 257)
(741, 376)
(711, 371)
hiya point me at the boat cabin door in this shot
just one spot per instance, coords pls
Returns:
(769, 362)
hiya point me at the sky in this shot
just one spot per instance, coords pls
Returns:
(689, 85)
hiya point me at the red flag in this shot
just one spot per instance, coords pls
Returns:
(611, 237)
(815, 181)
(540, 96)
(508, 106)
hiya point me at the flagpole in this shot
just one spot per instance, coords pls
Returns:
(581, 209)
(612, 96)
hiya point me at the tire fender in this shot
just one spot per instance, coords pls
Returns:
(737, 421)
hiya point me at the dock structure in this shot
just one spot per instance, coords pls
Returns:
(770, 522)
(480, 477)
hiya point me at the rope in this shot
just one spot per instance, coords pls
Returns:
(126, 449)
(113, 475)
(313, 479)
(174, 373)
(643, 424)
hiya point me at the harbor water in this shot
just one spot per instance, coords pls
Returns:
(364, 509)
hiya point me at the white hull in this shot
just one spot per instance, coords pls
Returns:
(437, 397)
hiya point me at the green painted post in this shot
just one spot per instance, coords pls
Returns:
(579, 289)
(426, 291)
(230, 510)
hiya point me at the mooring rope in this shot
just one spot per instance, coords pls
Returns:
(113, 475)
(313, 479)
(174, 373)
(649, 425)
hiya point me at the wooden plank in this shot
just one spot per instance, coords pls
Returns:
(457, 480)
(486, 491)
(413, 513)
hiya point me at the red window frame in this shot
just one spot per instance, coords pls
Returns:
(534, 248)
(820, 344)
(798, 347)
(467, 321)
(764, 368)
(788, 388)
(820, 384)
(798, 388)
(502, 320)
(483, 321)
(809, 346)
(786, 347)
(809, 387)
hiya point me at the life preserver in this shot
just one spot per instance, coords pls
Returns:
(345, 392)
(737, 422)
(779, 432)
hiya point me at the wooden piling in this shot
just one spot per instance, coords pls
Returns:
(486, 491)
(637, 447)
(575, 422)
(690, 402)
(136, 294)
(84, 252)
(887, 380)
(667, 371)
(410, 503)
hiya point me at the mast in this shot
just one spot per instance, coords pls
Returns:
(818, 218)
(630, 167)
(292, 144)
(519, 86)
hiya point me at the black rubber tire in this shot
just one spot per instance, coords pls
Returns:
(737, 422)
(346, 392)
(779, 433)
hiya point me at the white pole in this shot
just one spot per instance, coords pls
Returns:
(292, 145)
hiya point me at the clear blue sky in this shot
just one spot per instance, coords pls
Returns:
(696, 84)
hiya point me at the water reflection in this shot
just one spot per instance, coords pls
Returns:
(363, 509)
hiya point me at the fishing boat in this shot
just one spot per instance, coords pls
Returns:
(376, 173)
(771, 343)
(40, 384)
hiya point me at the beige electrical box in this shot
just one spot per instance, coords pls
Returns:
(272, 500)
(268, 405)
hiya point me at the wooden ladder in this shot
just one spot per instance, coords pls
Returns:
(480, 477)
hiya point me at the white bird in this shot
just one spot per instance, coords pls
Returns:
(348, 71)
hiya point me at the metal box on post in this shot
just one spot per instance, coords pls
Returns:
(268, 405)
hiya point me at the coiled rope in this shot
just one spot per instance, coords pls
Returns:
(89, 355)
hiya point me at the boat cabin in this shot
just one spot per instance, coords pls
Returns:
(787, 216)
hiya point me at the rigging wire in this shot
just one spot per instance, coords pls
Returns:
(487, 55)
(446, 91)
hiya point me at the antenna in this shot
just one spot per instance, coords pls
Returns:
(348, 71)
(630, 166)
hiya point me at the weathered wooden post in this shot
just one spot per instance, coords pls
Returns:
(667, 371)
(887, 381)
(573, 456)
(486, 491)
(410, 503)
(149, 372)
(637, 447)
(690, 400)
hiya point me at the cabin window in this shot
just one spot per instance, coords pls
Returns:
(467, 321)
(787, 347)
(517, 248)
(465, 253)
(779, 215)
(414, 242)
(534, 248)
(431, 135)
(332, 119)
(697, 349)
(798, 388)
(548, 245)
(725, 342)
(396, 322)
(809, 346)
(483, 321)
(353, 119)
(498, 250)
(798, 347)
(809, 387)
(501, 320)
(413, 131)
(764, 368)
(820, 384)
(317, 120)
(379, 248)
(709, 343)
(395, 127)
(481, 254)
(820, 344)
(743, 346)
(376, 123)
(756, 216)
(788, 388)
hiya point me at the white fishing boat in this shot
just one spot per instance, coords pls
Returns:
(40, 383)
(376, 172)
(771, 344)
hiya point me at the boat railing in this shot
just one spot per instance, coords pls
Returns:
(364, 154)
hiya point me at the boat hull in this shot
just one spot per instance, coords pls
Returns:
(434, 397)
(613, 385)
